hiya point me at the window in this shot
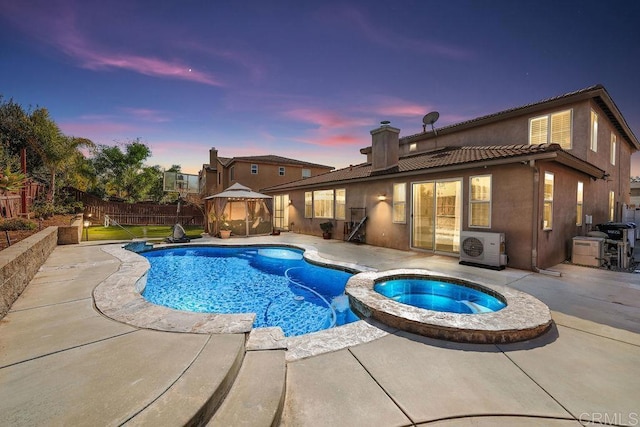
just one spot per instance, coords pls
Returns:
(547, 214)
(308, 204)
(254, 169)
(341, 201)
(560, 129)
(323, 204)
(231, 173)
(413, 147)
(594, 131)
(579, 202)
(400, 203)
(480, 201)
(538, 130)
(614, 141)
(306, 173)
(281, 171)
(612, 205)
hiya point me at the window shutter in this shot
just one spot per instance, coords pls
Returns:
(561, 129)
(538, 130)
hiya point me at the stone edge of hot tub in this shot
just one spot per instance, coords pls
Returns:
(523, 318)
(119, 298)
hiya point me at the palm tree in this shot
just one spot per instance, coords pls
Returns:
(54, 148)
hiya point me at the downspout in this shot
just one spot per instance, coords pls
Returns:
(536, 222)
(534, 225)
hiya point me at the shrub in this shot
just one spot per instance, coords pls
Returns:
(43, 209)
(15, 224)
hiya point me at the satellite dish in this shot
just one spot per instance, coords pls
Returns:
(430, 119)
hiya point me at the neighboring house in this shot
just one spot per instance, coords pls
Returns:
(255, 172)
(537, 173)
(634, 200)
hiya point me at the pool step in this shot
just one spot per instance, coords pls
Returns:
(257, 395)
(201, 389)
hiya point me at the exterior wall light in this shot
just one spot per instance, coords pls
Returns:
(86, 224)
(382, 197)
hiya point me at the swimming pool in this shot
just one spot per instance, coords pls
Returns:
(275, 283)
(439, 295)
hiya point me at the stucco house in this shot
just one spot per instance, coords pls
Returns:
(541, 174)
(254, 172)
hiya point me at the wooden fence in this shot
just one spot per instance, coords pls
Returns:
(11, 203)
(138, 213)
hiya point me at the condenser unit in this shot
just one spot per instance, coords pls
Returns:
(483, 249)
(588, 251)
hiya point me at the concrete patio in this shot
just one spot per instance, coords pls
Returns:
(63, 363)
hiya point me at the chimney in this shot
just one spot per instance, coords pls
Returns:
(213, 157)
(384, 147)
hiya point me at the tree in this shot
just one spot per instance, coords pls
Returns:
(122, 173)
(57, 151)
(15, 130)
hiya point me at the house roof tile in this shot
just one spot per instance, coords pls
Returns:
(445, 157)
(270, 158)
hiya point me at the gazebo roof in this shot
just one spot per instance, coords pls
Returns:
(239, 192)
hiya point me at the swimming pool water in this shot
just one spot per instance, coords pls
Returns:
(276, 283)
(439, 295)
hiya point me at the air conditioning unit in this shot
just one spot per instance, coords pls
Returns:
(588, 251)
(483, 249)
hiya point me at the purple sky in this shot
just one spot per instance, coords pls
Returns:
(300, 79)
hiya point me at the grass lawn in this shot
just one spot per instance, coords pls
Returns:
(127, 232)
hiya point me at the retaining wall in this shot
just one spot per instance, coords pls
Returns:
(21, 261)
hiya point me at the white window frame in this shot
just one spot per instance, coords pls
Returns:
(254, 169)
(594, 132)
(580, 203)
(281, 171)
(323, 203)
(399, 212)
(308, 204)
(341, 203)
(614, 144)
(547, 222)
(545, 129)
(483, 201)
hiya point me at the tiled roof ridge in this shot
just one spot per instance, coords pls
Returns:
(443, 156)
(281, 159)
(529, 147)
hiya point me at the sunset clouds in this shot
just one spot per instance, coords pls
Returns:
(306, 80)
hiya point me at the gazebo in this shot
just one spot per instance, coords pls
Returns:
(241, 210)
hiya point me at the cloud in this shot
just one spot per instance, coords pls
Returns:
(96, 131)
(385, 37)
(148, 115)
(388, 106)
(56, 24)
(335, 140)
(324, 119)
(94, 57)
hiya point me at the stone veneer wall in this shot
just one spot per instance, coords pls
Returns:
(71, 234)
(20, 262)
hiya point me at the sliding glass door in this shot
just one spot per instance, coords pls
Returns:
(437, 215)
